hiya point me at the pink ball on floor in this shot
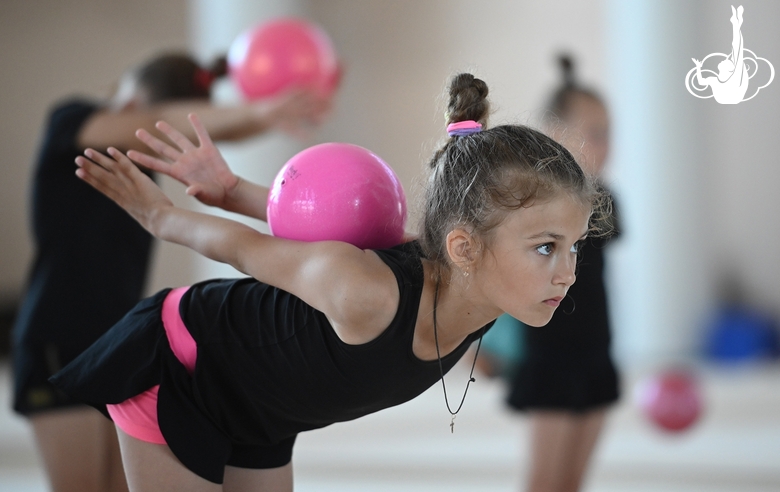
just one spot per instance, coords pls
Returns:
(282, 54)
(671, 400)
(338, 191)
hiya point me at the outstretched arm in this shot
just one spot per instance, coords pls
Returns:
(202, 169)
(353, 287)
(294, 112)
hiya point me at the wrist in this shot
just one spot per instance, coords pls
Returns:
(233, 192)
(156, 220)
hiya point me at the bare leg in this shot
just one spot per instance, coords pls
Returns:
(561, 447)
(79, 450)
(269, 480)
(153, 467)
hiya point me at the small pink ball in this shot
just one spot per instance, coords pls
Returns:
(671, 400)
(282, 54)
(341, 192)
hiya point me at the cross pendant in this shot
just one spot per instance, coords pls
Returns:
(452, 425)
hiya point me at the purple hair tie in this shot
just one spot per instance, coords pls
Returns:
(463, 128)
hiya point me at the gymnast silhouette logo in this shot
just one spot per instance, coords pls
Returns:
(735, 70)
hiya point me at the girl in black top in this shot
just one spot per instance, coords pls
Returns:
(91, 257)
(325, 332)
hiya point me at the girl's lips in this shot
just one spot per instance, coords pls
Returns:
(554, 302)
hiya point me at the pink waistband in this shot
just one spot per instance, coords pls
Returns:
(184, 347)
(137, 416)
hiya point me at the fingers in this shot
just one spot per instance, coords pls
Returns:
(175, 135)
(92, 173)
(158, 145)
(300, 108)
(118, 162)
(149, 162)
(193, 190)
(102, 172)
(203, 136)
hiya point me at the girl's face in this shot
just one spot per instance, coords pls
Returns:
(531, 262)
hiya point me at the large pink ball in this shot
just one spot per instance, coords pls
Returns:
(671, 400)
(282, 54)
(338, 191)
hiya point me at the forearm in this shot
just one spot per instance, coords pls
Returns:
(223, 123)
(214, 237)
(248, 199)
(227, 123)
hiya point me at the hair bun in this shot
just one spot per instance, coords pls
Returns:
(566, 64)
(468, 99)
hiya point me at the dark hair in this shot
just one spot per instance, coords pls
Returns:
(177, 76)
(561, 100)
(476, 180)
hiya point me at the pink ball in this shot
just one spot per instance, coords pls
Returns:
(281, 54)
(671, 400)
(338, 191)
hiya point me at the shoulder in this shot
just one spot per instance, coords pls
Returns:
(369, 297)
(74, 107)
(403, 258)
(69, 115)
(64, 121)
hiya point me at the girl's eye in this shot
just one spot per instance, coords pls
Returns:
(576, 247)
(545, 249)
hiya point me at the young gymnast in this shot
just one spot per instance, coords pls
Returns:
(210, 384)
(566, 379)
(92, 258)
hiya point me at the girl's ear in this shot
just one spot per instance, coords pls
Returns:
(462, 248)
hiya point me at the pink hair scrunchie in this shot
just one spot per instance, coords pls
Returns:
(463, 128)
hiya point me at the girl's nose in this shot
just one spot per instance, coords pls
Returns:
(566, 270)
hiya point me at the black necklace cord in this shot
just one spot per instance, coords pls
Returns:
(441, 367)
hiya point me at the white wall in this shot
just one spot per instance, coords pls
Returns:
(741, 151)
(661, 286)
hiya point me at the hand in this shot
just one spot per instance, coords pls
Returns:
(202, 169)
(697, 62)
(296, 112)
(299, 110)
(120, 180)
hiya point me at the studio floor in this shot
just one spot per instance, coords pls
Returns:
(734, 447)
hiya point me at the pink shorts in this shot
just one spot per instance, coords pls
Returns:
(137, 416)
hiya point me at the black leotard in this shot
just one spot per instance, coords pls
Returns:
(90, 265)
(268, 366)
